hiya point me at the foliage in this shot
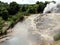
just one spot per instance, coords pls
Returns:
(31, 9)
(57, 37)
(41, 7)
(13, 8)
(37, 2)
(5, 14)
(53, 1)
(1, 26)
(24, 8)
(46, 2)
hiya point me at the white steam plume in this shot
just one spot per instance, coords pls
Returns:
(52, 8)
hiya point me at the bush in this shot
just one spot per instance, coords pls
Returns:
(57, 37)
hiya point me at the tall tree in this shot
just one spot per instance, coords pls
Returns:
(37, 2)
(40, 7)
(13, 8)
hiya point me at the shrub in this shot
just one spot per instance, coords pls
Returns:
(57, 37)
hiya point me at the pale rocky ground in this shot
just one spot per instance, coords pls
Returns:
(48, 23)
(45, 26)
(37, 29)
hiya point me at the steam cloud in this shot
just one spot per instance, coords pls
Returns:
(52, 8)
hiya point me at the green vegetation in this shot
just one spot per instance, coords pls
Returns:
(57, 37)
(11, 13)
(13, 8)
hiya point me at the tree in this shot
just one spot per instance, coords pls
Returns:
(37, 2)
(53, 1)
(24, 8)
(31, 9)
(40, 7)
(13, 8)
(4, 13)
(46, 2)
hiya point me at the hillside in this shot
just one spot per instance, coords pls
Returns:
(37, 29)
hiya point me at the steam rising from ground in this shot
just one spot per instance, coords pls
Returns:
(52, 8)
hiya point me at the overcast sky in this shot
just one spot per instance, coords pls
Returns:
(27, 1)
